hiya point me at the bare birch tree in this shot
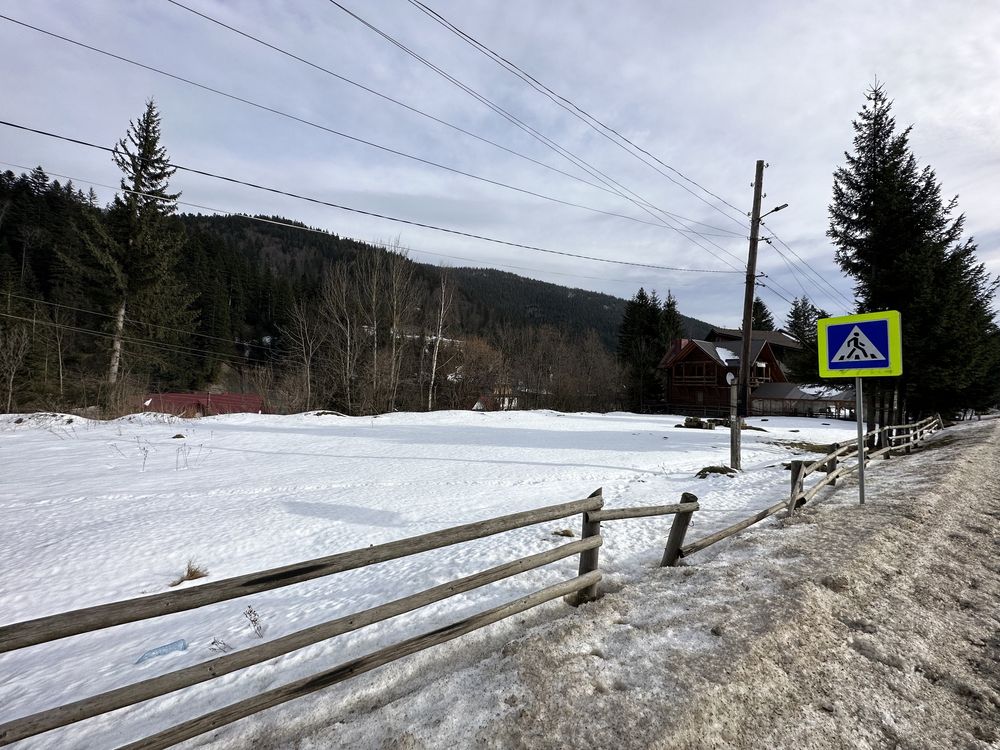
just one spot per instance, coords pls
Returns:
(305, 337)
(339, 310)
(401, 303)
(445, 298)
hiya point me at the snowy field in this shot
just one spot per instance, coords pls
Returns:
(95, 512)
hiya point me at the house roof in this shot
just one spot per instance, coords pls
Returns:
(775, 338)
(721, 355)
(208, 403)
(799, 392)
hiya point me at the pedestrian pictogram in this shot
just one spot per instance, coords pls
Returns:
(860, 346)
(857, 347)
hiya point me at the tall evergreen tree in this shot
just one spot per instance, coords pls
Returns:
(671, 322)
(641, 347)
(139, 249)
(903, 247)
(801, 325)
(761, 318)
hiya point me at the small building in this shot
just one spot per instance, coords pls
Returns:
(695, 373)
(795, 400)
(204, 404)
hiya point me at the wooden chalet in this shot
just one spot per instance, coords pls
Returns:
(695, 371)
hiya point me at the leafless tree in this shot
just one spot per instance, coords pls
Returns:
(400, 303)
(339, 310)
(305, 336)
(386, 302)
(444, 302)
(14, 343)
(261, 380)
(369, 273)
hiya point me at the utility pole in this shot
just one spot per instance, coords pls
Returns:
(743, 397)
(743, 386)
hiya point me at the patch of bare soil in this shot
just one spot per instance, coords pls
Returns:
(848, 626)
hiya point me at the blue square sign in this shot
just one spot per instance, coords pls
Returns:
(860, 345)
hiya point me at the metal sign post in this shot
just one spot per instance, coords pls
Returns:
(859, 405)
(734, 424)
(857, 346)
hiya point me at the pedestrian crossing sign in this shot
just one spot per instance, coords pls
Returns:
(860, 346)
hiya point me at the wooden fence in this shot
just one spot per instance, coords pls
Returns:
(580, 589)
(881, 442)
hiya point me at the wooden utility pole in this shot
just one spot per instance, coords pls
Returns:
(745, 364)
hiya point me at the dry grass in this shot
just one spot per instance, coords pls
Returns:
(805, 446)
(725, 470)
(191, 572)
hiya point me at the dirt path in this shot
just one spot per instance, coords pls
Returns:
(874, 626)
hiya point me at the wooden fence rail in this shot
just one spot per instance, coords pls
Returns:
(830, 463)
(50, 628)
(682, 513)
(580, 589)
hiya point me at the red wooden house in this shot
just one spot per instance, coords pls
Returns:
(695, 372)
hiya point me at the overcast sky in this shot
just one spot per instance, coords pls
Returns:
(708, 88)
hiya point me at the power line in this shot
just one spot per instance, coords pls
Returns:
(160, 345)
(762, 285)
(232, 342)
(796, 275)
(386, 97)
(683, 233)
(338, 133)
(292, 225)
(374, 214)
(810, 269)
(635, 198)
(585, 117)
(776, 284)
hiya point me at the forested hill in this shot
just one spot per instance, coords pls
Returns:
(487, 299)
(96, 312)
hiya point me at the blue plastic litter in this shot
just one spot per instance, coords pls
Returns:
(166, 648)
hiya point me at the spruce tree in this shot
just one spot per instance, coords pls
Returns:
(641, 348)
(671, 323)
(139, 248)
(902, 245)
(761, 318)
(801, 325)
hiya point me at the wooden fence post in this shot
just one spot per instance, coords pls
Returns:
(588, 558)
(909, 440)
(890, 437)
(675, 540)
(831, 465)
(796, 485)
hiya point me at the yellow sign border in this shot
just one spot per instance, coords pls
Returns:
(895, 345)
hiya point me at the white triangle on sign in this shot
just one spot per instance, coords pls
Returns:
(857, 348)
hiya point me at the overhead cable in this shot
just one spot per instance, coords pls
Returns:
(301, 227)
(408, 222)
(624, 192)
(585, 117)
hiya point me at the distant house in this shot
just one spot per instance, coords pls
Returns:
(779, 341)
(791, 399)
(695, 371)
(204, 404)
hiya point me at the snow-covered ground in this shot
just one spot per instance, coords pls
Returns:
(102, 511)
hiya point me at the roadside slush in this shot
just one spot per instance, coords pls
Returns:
(849, 626)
